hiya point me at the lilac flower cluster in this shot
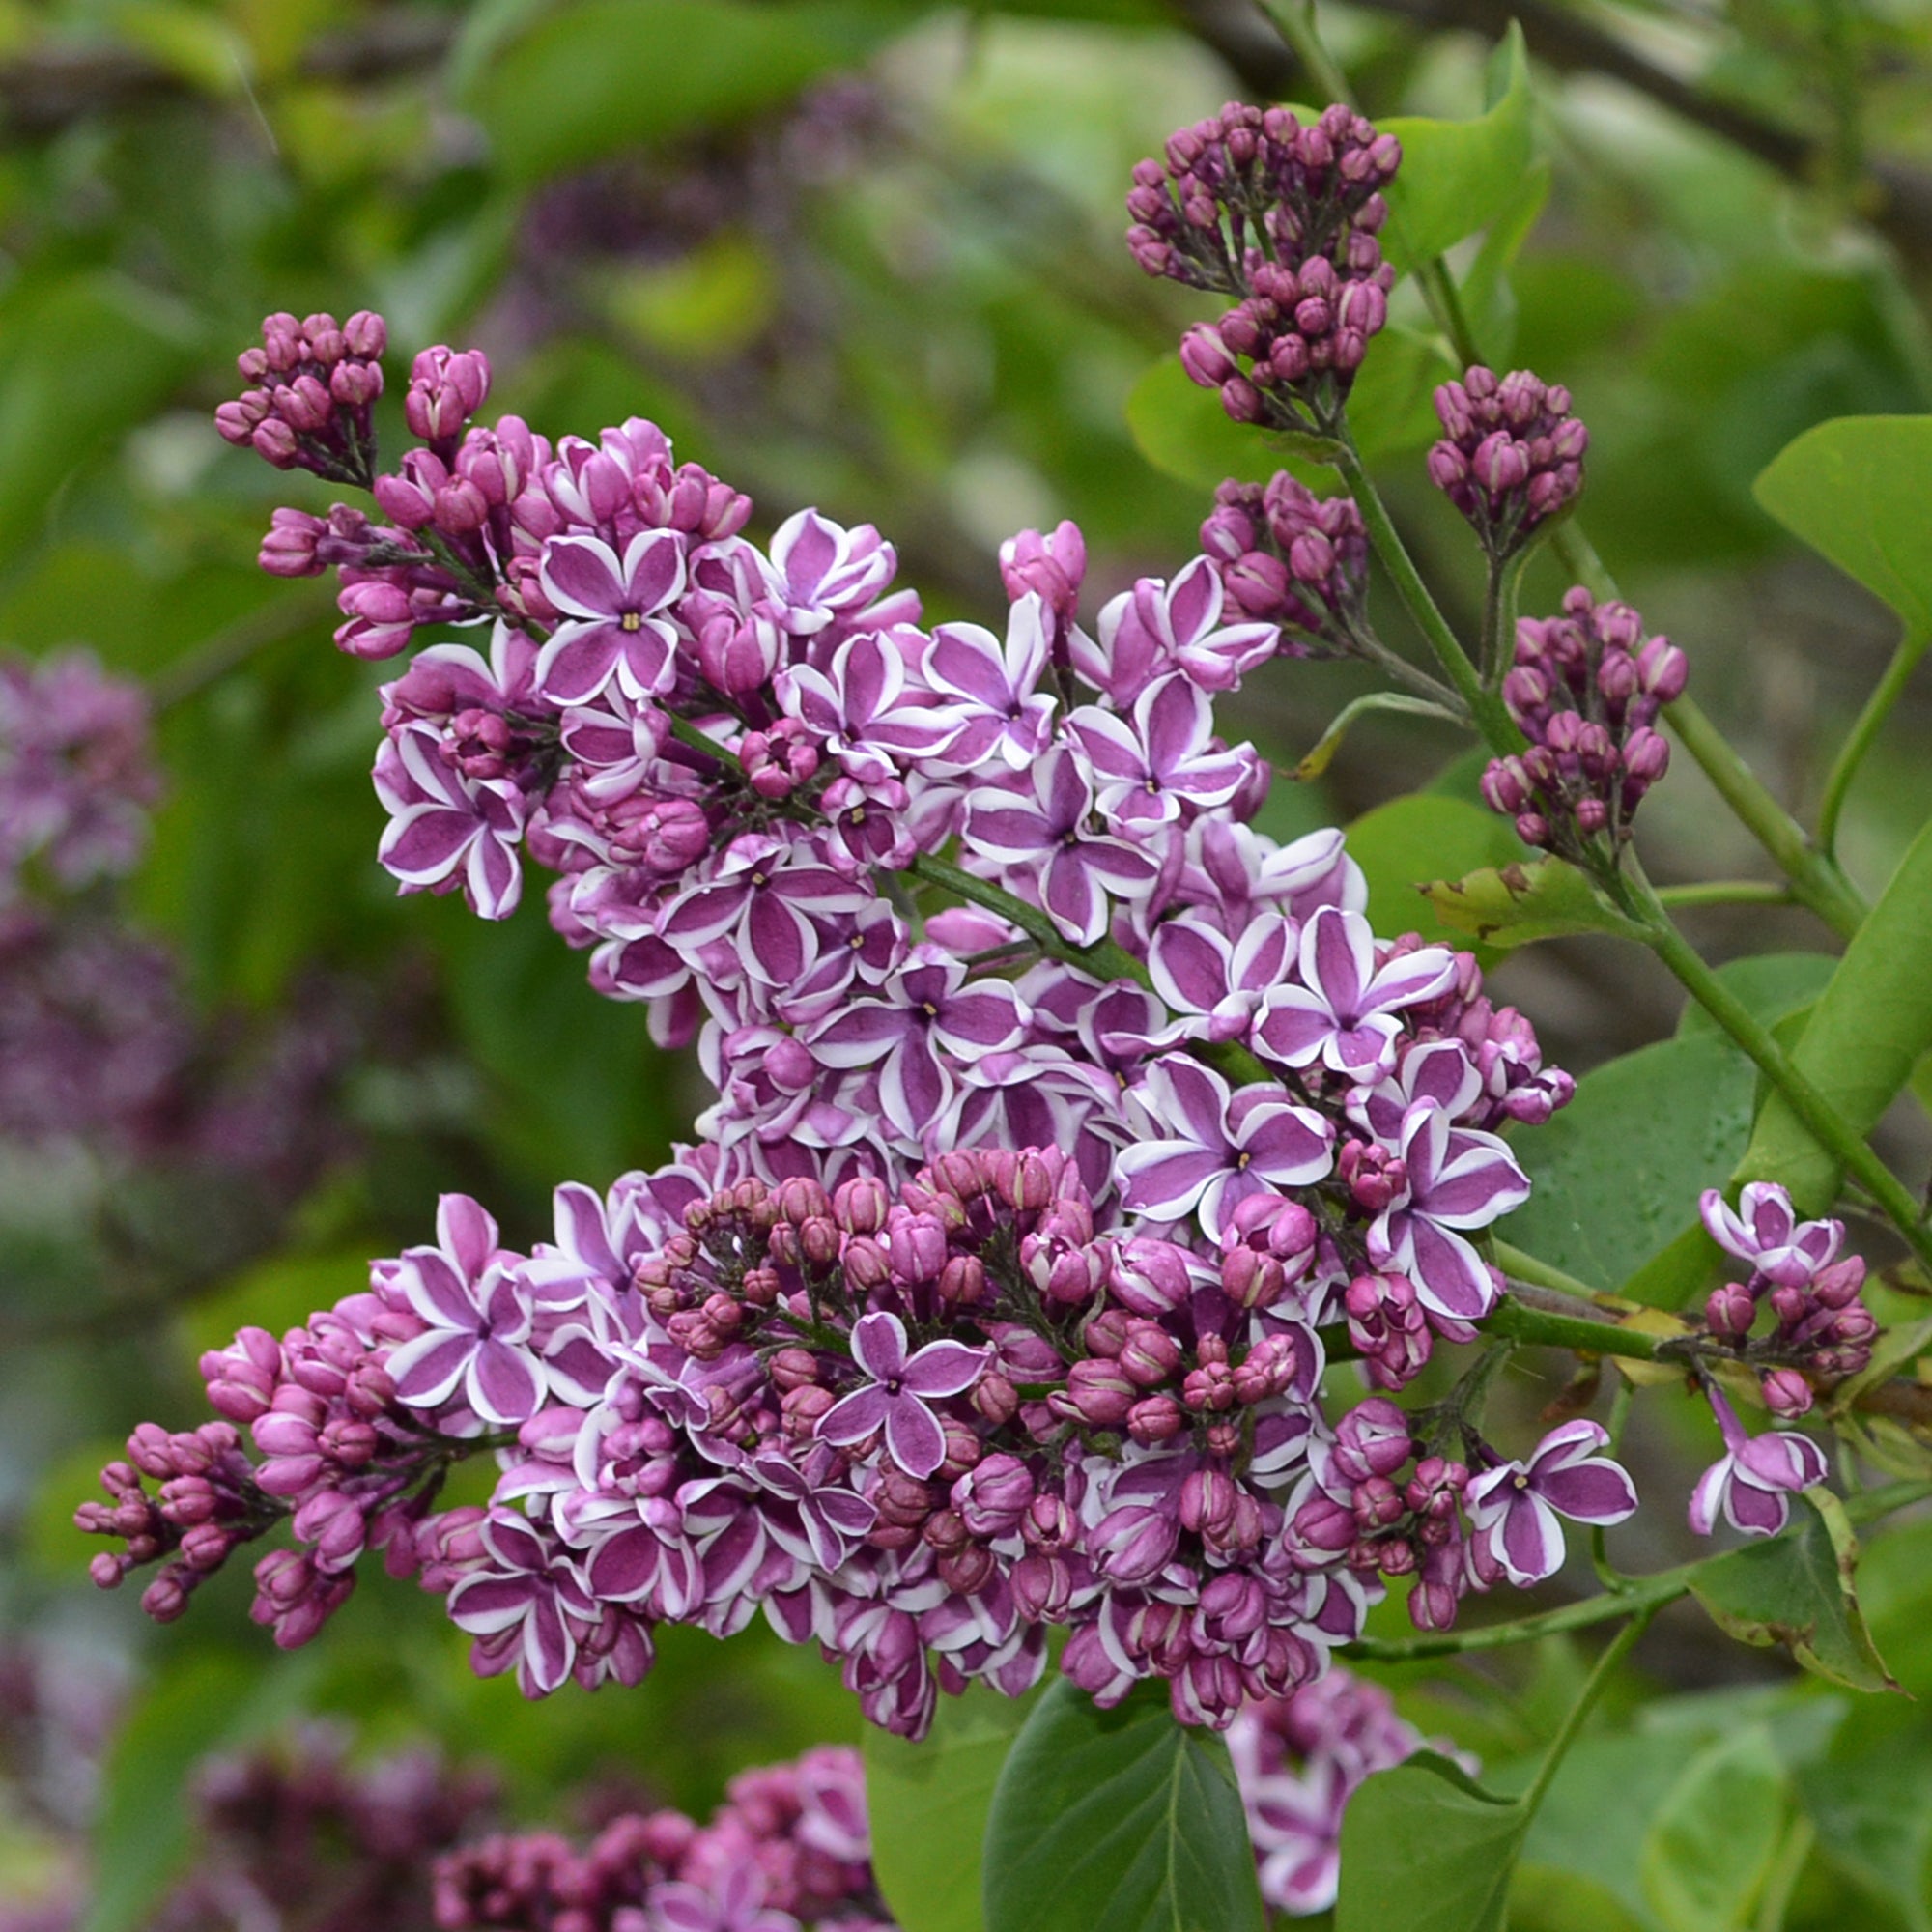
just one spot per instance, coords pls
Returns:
(1820, 1331)
(989, 1300)
(1289, 558)
(1585, 691)
(76, 776)
(1298, 1760)
(1512, 454)
(1282, 216)
(788, 1849)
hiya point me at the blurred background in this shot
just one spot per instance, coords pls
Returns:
(864, 254)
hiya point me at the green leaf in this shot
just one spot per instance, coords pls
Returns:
(929, 1802)
(1459, 176)
(1616, 1175)
(1870, 1026)
(1122, 1819)
(1797, 1590)
(605, 74)
(1716, 1833)
(1518, 904)
(205, 1702)
(1182, 430)
(1873, 1810)
(1425, 1849)
(1402, 846)
(1856, 491)
(1773, 985)
(1489, 301)
(1392, 406)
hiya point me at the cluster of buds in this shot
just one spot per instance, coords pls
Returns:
(336, 1456)
(1820, 1329)
(1512, 454)
(314, 385)
(1287, 557)
(1585, 691)
(788, 1848)
(1381, 1499)
(1282, 216)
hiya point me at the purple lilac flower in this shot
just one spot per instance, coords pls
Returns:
(611, 605)
(1752, 1483)
(1514, 1508)
(899, 1397)
(1222, 1148)
(1512, 454)
(1343, 1013)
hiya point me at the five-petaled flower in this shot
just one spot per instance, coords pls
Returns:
(896, 1399)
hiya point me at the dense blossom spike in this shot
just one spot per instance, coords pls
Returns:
(988, 1301)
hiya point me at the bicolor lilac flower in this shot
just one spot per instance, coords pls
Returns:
(1203, 973)
(1163, 758)
(1222, 1147)
(1514, 1507)
(897, 1396)
(860, 706)
(447, 829)
(736, 1904)
(1764, 1231)
(1344, 1012)
(832, 1518)
(1752, 1483)
(1159, 627)
(928, 1017)
(991, 687)
(1457, 1179)
(762, 896)
(828, 571)
(1039, 832)
(611, 608)
(519, 1607)
(478, 1312)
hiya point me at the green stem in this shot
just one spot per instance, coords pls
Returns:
(1645, 1593)
(1859, 740)
(1727, 892)
(1525, 1266)
(1786, 1870)
(1545, 1328)
(1295, 21)
(1615, 1652)
(1485, 707)
(1833, 1131)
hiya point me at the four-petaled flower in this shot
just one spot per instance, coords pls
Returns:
(828, 571)
(1043, 841)
(520, 1609)
(989, 689)
(610, 606)
(928, 1018)
(858, 705)
(1163, 758)
(897, 1396)
(1457, 1179)
(831, 1518)
(1752, 1483)
(1344, 1012)
(1514, 1507)
(1222, 1147)
(1764, 1230)
(479, 1314)
(446, 828)
(761, 894)
(1155, 627)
